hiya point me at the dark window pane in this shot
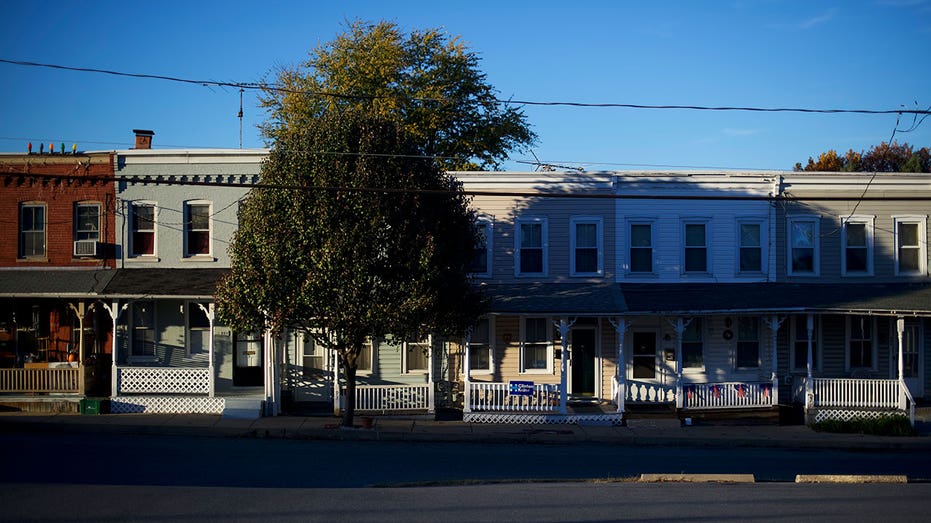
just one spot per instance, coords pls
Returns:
(803, 260)
(750, 259)
(696, 260)
(695, 235)
(640, 235)
(641, 260)
(856, 235)
(198, 242)
(856, 260)
(586, 260)
(531, 260)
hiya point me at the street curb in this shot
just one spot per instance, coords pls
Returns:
(849, 478)
(697, 478)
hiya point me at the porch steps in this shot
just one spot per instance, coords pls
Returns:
(242, 408)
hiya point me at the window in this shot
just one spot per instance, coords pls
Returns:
(417, 356)
(143, 229)
(198, 338)
(695, 257)
(480, 264)
(585, 257)
(197, 229)
(748, 342)
(480, 347)
(32, 230)
(87, 221)
(531, 246)
(858, 247)
(366, 358)
(803, 246)
(313, 358)
(143, 330)
(860, 342)
(750, 243)
(692, 345)
(799, 355)
(641, 247)
(910, 245)
(535, 353)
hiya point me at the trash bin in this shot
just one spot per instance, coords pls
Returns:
(94, 406)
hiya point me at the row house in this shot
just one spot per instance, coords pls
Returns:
(57, 215)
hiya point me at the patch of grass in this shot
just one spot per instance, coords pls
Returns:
(892, 425)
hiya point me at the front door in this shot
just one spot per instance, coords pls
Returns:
(247, 360)
(913, 368)
(583, 362)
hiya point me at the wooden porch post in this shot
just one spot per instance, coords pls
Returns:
(680, 328)
(774, 324)
(900, 332)
(564, 326)
(114, 311)
(431, 392)
(809, 384)
(210, 313)
(620, 371)
(467, 371)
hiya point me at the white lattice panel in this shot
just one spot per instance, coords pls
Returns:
(540, 419)
(162, 380)
(849, 415)
(166, 405)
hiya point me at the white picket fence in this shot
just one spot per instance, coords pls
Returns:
(387, 398)
(859, 393)
(730, 395)
(497, 397)
(41, 381)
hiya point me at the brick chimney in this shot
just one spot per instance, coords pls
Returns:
(143, 138)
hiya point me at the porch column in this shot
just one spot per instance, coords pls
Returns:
(78, 311)
(114, 311)
(336, 389)
(680, 328)
(809, 384)
(467, 372)
(268, 357)
(774, 324)
(620, 371)
(900, 333)
(564, 326)
(431, 392)
(211, 314)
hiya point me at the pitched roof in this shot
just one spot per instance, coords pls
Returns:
(54, 282)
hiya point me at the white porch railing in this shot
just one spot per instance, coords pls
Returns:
(391, 397)
(731, 395)
(163, 380)
(497, 397)
(853, 392)
(644, 392)
(61, 380)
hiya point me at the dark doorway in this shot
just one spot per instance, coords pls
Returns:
(583, 362)
(644, 355)
(247, 360)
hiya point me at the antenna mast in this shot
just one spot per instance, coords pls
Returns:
(240, 117)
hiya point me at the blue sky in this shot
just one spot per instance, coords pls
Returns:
(870, 54)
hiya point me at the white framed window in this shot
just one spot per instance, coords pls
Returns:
(911, 245)
(640, 247)
(861, 342)
(798, 356)
(481, 351)
(586, 246)
(536, 352)
(142, 226)
(365, 362)
(32, 228)
(480, 264)
(695, 247)
(751, 242)
(415, 356)
(804, 245)
(197, 221)
(314, 364)
(748, 343)
(142, 327)
(198, 329)
(530, 247)
(693, 344)
(857, 246)
(87, 221)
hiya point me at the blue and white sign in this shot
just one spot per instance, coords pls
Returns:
(520, 388)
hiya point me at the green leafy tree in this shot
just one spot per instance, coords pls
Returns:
(428, 82)
(884, 157)
(353, 235)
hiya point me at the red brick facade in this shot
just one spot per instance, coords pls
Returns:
(22, 183)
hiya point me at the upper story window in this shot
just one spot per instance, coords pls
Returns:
(32, 224)
(531, 247)
(142, 225)
(804, 245)
(87, 221)
(480, 347)
(750, 245)
(535, 350)
(586, 246)
(197, 229)
(857, 244)
(416, 356)
(641, 247)
(695, 255)
(911, 247)
(748, 342)
(480, 265)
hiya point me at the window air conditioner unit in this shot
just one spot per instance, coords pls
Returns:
(85, 248)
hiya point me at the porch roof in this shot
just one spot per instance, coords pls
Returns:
(54, 283)
(572, 299)
(164, 283)
(682, 298)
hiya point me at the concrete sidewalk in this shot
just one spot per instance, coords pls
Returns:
(424, 429)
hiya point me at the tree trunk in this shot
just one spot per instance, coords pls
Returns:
(349, 399)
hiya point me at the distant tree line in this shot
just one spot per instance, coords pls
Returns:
(885, 158)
